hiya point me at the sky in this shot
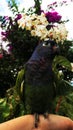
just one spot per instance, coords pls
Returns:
(65, 11)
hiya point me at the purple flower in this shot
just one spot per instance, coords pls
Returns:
(53, 17)
(6, 18)
(5, 34)
(18, 17)
(54, 3)
(42, 11)
(64, 1)
(7, 21)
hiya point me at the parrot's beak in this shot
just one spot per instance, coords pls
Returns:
(56, 49)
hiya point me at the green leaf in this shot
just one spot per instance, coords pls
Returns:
(19, 82)
(61, 60)
(62, 86)
(2, 102)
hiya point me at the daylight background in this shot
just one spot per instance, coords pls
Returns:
(20, 45)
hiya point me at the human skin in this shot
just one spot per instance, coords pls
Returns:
(54, 122)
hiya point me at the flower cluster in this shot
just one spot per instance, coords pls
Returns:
(59, 33)
(37, 25)
(58, 4)
(53, 16)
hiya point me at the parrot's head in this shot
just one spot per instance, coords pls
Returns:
(46, 49)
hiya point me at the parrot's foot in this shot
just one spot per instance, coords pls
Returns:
(45, 115)
(36, 119)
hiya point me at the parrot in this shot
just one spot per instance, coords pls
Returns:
(36, 86)
(39, 78)
(39, 81)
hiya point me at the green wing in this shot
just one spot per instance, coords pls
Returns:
(20, 83)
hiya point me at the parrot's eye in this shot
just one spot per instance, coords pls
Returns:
(46, 44)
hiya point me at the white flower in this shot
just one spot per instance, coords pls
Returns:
(36, 24)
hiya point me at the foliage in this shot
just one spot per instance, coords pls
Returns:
(37, 6)
(13, 6)
(70, 54)
(10, 106)
(21, 40)
(62, 85)
(66, 106)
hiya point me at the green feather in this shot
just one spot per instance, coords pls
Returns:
(20, 82)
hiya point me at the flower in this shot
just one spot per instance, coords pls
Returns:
(53, 17)
(18, 16)
(5, 34)
(58, 32)
(37, 25)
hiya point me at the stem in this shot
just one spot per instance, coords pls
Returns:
(58, 104)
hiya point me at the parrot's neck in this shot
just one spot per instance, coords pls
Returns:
(35, 56)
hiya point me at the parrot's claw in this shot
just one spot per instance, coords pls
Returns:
(36, 119)
(36, 115)
(46, 115)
